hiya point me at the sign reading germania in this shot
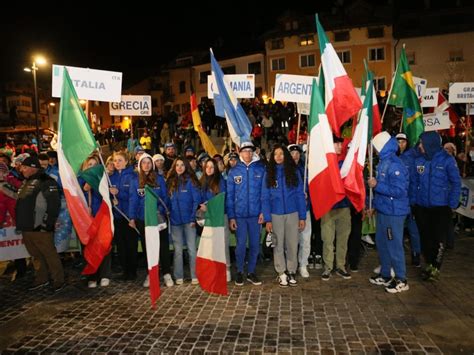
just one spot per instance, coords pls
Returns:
(90, 84)
(131, 105)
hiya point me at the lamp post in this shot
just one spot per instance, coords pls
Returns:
(36, 61)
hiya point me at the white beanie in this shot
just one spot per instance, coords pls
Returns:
(380, 140)
(145, 156)
(158, 157)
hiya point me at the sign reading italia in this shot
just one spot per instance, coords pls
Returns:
(90, 84)
(131, 105)
(293, 88)
(243, 85)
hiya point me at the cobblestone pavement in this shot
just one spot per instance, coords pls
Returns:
(337, 316)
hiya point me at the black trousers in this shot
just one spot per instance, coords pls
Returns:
(316, 241)
(165, 255)
(433, 224)
(127, 244)
(353, 244)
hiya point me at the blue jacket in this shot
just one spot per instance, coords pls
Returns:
(136, 208)
(282, 199)
(244, 189)
(184, 202)
(408, 158)
(208, 194)
(96, 198)
(121, 180)
(391, 191)
(300, 166)
(435, 180)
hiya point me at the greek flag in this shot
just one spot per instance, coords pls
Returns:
(227, 106)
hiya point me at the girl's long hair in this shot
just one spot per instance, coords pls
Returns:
(211, 182)
(289, 168)
(172, 178)
(146, 179)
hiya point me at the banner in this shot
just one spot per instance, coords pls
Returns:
(243, 85)
(294, 88)
(420, 86)
(467, 198)
(461, 93)
(131, 105)
(430, 98)
(90, 84)
(436, 121)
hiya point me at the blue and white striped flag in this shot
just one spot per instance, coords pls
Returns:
(226, 105)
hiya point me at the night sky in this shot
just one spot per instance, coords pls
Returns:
(133, 40)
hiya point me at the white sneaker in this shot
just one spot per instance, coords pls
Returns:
(368, 239)
(104, 282)
(194, 282)
(228, 275)
(168, 280)
(378, 268)
(179, 281)
(92, 284)
(282, 280)
(304, 272)
(146, 283)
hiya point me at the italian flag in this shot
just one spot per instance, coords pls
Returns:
(352, 170)
(205, 140)
(210, 261)
(75, 145)
(375, 122)
(152, 240)
(341, 99)
(325, 184)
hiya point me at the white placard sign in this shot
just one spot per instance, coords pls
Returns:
(461, 93)
(466, 208)
(243, 85)
(420, 86)
(303, 108)
(131, 105)
(436, 121)
(430, 98)
(294, 88)
(90, 84)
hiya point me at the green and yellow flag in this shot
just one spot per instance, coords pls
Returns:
(404, 95)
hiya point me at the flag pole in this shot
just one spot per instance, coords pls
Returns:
(306, 164)
(298, 128)
(390, 91)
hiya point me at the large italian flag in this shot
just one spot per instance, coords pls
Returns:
(152, 240)
(325, 184)
(75, 144)
(352, 170)
(210, 261)
(341, 99)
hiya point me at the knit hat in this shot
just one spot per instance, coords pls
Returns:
(145, 156)
(19, 159)
(380, 140)
(158, 157)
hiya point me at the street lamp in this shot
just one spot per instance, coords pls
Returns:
(38, 60)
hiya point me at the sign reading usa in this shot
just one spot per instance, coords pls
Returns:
(131, 105)
(243, 85)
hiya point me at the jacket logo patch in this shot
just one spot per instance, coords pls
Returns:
(397, 173)
(276, 184)
(420, 169)
(141, 192)
(238, 179)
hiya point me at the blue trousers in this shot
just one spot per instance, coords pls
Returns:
(414, 234)
(389, 239)
(247, 227)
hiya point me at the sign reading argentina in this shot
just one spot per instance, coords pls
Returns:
(90, 84)
(243, 85)
(430, 98)
(293, 88)
(131, 105)
(461, 93)
(436, 121)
